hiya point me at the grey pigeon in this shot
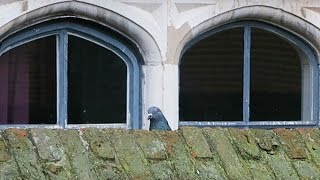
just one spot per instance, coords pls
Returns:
(157, 120)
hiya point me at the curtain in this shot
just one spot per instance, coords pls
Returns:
(28, 83)
(14, 87)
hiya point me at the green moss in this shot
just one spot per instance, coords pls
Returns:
(76, 151)
(306, 170)
(152, 147)
(25, 155)
(179, 156)
(190, 153)
(209, 170)
(4, 154)
(260, 170)
(311, 138)
(219, 140)
(196, 142)
(51, 153)
(293, 143)
(48, 145)
(99, 143)
(102, 155)
(9, 170)
(245, 143)
(281, 167)
(266, 140)
(162, 170)
(130, 155)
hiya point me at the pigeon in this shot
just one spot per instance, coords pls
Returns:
(157, 120)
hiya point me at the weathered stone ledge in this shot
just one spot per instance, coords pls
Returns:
(189, 153)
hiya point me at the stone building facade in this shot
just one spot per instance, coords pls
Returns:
(161, 29)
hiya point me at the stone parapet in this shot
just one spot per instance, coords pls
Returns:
(188, 153)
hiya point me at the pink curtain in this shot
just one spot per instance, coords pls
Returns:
(14, 87)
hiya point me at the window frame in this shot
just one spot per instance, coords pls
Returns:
(309, 74)
(61, 29)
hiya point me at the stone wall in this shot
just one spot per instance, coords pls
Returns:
(161, 29)
(189, 153)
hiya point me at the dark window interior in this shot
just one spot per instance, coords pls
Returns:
(275, 78)
(97, 84)
(28, 83)
(211, 76)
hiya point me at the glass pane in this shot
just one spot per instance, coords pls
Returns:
(275, 78)
(28, 83)
(211, 77)
(97, 84)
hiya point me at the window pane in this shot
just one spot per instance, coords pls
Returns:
(211, 77)
(275, 78)
(28, 83)
(97, 84)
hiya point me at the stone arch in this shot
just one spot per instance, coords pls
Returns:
(271, 15)
(144, 41)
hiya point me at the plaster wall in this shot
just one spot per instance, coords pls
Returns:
(161, 28)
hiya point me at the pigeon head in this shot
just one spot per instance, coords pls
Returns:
(157, 120)
(154, 113)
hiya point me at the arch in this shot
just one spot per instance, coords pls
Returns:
(271, 15)
(145, 42)
(308, 61)
(62, 28)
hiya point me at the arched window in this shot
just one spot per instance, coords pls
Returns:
(248, 74)
(67, 73)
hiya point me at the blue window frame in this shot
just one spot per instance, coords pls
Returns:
(64, 32)
(249, 64)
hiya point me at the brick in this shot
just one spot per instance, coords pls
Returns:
(155, 151)
(248, 149)
(153, 148)
(99, 143)
(121, 154)
(162, 170)
(266, 140)
(51, 153)
(9, 170)
(274, 154)
(260, 170)
(102, 154)
(209, 170)
(281, 167)
(196, 142)
(109, 170)
(230, 161)
(25, 155)
(311, 138)
(130, 155)
(4, 153)
(245, 143)
(77, 153)
(48, 145)
(205, 165)
(306, 170)
(8, 166)
(178, 154)
(292, 142)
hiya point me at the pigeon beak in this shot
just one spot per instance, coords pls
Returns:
(149, 116)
